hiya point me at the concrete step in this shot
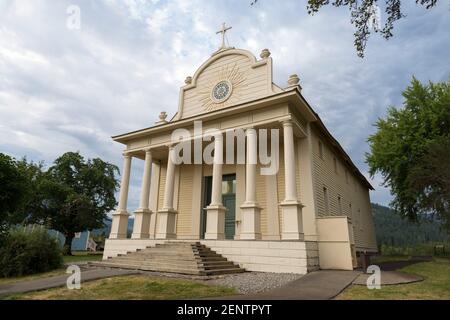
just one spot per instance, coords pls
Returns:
(194, 260)
(212, 258)
(214, 262)
(174, 251)
(176, 257)
(179, 270)
(158, 257)
(187, 259)
(177, 246)
(224, 267)
(161, 249)
(161, 263)
(174, 243)
(147, 265)
(223, 271)
(185, 254)
(148, 268)
(164, 262)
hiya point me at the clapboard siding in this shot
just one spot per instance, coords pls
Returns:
(261, 198)
(162, 183)
(350, 190)
(184, 217)
(281, 185)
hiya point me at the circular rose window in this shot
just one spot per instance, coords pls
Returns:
(221, 91)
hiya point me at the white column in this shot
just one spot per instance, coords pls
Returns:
(153, 198)
(146, 179)
(216, 193)
(141, 225)
(120, 216)
(170, 180)
(167, 216)
(124, 185)
(292, 228)
(215, 217)
(289, 162)
(196, 200)
(250, 167)
(250, 211)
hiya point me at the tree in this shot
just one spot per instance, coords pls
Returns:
(74, 195)
(364, 16)
(430, 179)
(14, 192)
(411, 151)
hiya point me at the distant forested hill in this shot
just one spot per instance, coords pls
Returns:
(393, 230)
(107, 228)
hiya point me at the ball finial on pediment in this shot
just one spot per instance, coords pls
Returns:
(265, 53)
(293, 80)
(162, 118)
(188, 80)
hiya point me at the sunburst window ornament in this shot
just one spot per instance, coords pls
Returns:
(222, 90)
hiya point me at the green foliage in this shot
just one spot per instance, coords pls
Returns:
(399, 236)
(429, 178)
(426, 249)
(74, 195)
(410, 150)
(25, 252)
(14, 192)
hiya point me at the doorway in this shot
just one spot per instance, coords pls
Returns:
(228, 201)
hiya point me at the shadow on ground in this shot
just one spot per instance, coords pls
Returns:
(395, 265)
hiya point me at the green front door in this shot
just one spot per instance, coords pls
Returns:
(228, 201)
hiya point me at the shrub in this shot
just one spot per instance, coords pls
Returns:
(29, 252)
(424, 249)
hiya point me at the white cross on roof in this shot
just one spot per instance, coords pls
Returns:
(223, 31)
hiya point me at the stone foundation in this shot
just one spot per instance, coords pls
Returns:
(264, 256)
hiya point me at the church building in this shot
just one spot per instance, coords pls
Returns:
(247, 169)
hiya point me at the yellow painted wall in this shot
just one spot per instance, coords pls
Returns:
(184, 217)
(162, 183)
(280, 184)
(350, 189)
(261, 199)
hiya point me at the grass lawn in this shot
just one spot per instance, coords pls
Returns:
(384, 259)
(435, 286)
(132, 288)
(82, 257)
(56, 272)
(76, 258)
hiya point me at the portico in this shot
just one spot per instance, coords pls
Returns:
(162, 222)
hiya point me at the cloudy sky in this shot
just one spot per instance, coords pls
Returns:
(65, 89)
